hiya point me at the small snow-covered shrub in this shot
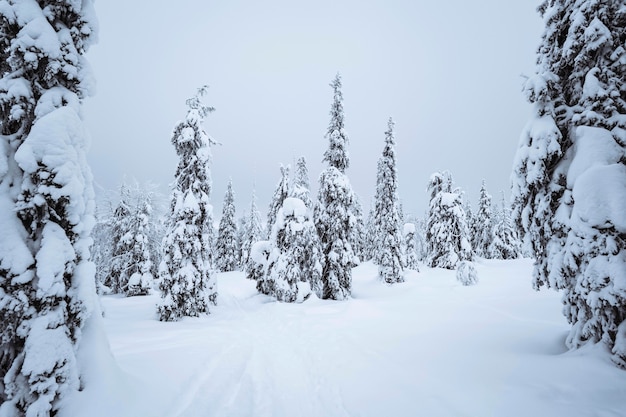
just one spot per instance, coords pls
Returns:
(466, 273)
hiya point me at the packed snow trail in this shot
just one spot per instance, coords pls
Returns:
(427, 347)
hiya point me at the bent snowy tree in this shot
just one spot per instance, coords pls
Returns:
(569, 175)
(47, 286)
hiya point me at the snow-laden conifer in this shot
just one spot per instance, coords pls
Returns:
(254, 233)
(294, 265)
(301, 188)
(483, 224)
(187, 277)
(226, 243)
(569, 174)
(410, 250)
(280, 193)
(505, 243)
(446, 234)
(388, 233)
(119, 223)
(333, 215)
(47, 290)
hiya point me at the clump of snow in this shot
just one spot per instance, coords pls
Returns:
(294, 207)
(593, 146)
(260, 251)
(600, 197)
(466, 273)
(409, 228)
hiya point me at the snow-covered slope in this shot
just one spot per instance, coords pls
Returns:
(427, 347)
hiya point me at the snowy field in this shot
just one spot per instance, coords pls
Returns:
(428, 347)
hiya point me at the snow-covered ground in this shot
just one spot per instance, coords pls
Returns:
(427, 347)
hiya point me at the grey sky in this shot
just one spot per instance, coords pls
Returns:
(448, 72)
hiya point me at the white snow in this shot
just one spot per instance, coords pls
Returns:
(593, 146)
(427, 347)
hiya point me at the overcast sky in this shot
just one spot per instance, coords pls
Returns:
(449, 73)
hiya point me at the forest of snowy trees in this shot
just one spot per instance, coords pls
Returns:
(57, 252)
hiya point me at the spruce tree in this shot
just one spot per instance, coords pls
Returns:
(226, 244)
(569, 174)
(410, 249)
(505, 243)
(254, 234)
(483, 224)
(388, 255)
(294, 265)
(137, 276)
(333, 215)
(280, 193)
(120, 225)
(301, 188)
(47, 291)
(446, 230)
(187, 278)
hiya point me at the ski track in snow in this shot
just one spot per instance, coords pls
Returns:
(426, 347)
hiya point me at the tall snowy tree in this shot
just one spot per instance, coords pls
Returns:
(187, 277)
(47, 288)
(483, 224)
(388, 227)
(226, 244)
(280, 193)
(254, 233)
(294, 265)
(569, 175)
(447, 236)
(333, 215)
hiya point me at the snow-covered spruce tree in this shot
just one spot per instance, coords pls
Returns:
(410, 249)
(358, 238)
(242, 227)
(300, 187)
(137, 277)
(446, 230)
(254, 233)
(569, 174)
(333, 215)
(388, 239)
(119, 224)
(226, 244)
(280, 193)
(505, 243)
(47, 288)
(483, 224)
(294, 265)
(369, 242)
(187, 277)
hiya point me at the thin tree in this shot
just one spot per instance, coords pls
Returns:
(569, 174)
(333, 215)
(254, 234)
(483, 224)
(226, 244)
(280, 193)
(388, 242)
(187, 278)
